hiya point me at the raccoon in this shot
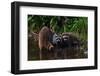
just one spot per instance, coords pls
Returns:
(71, 45)
(57, 40)
(47, 40)
(70, 40)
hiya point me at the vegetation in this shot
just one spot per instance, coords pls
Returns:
(58, 24)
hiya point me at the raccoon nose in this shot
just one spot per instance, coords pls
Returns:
(58, 41)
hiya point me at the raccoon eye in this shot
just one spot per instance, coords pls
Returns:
(66, 37)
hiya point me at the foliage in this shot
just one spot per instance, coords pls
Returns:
(59, 24)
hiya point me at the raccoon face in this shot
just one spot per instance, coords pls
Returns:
(65, 41)
(57, 39)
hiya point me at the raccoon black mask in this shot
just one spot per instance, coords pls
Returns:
(57, 40)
